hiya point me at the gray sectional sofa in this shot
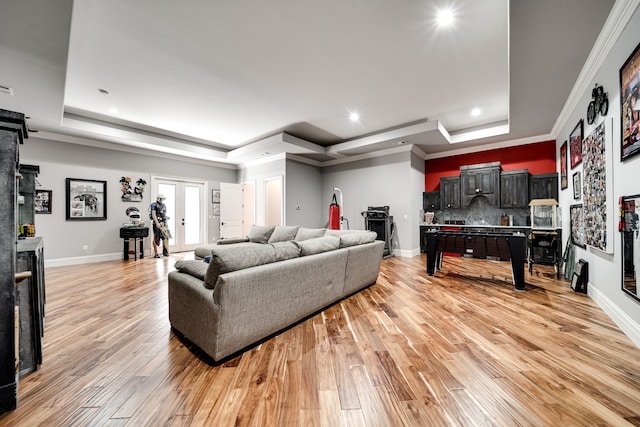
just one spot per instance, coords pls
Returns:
(258, 286)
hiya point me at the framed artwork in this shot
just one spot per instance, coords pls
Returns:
(576, 186)
(86, 199)
(564, 180)
(575, 144)
(42, 201)
(594, 188)
(215, 196)
(576, 221)
(630, 105)
(580, 276)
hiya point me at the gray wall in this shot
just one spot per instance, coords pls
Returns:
(605, 268)
(303, 186)
(395, 180)
(64, 239)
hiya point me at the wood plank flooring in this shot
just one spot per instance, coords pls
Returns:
(454, 349)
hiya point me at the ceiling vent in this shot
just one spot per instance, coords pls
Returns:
(6, 89)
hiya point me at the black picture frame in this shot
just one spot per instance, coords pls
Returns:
(215, 195)
(630, 106)
(43, 201)
(580, 276)
(576, 225)
(86, 199)
(575, 144)
(577, 187)
(564, 179)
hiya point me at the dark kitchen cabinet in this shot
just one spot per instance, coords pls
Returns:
(431, 201)
(450, 192)
(543, 186)
(480, 180)
(514, 189)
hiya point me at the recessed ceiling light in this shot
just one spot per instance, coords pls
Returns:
(476, 112)
(445, 17)
(113, 110)
(354, 117)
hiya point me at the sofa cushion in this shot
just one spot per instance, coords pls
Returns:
(283, 233)
(237, 257)
(285, 250)
(309, 233)
(260, 233)
(353, 237)
(318, 244)
(195, 268)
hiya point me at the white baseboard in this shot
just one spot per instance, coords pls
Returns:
(409, 253)
(60, 262)
(624, 322)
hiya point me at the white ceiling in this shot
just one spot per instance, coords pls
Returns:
(229, 81)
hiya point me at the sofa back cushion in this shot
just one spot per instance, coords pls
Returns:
(318, 244)
(227, 258)
(260, 233)
(282, 233)
(309, 233)
(196, 268)
(353, 237)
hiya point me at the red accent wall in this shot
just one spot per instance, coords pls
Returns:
(539, 157)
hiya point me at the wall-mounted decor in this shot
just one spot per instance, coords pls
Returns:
(576, 221)
(576, 186)
(630, 105)
(630, 229)
(594, 189)
(564, 179)
(42, 201)
(598, 105)
(215, 196)
(575, 144)
(130, 193)
(86, 199)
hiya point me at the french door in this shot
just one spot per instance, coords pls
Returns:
(185, 202)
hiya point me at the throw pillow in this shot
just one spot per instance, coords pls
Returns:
(260, 233)
(318, 244)
(309, 233)
(283, 233)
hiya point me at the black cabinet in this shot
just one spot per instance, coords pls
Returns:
(543, 186)
(450, 192)
(431, 201)
(480, 180)
(514, 189)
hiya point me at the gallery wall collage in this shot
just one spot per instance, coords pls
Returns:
(588, 220)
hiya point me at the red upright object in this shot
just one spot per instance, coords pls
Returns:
(334, 214)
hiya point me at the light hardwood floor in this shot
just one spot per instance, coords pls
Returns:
(411, 350)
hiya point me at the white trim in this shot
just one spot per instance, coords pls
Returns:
(61, 262)
(630, 328)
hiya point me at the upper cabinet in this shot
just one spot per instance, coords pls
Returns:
(431, 201)
(514, 189)
(480, 180)
(450, 192)
(543, 186)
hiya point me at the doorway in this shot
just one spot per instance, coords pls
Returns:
(185, 209)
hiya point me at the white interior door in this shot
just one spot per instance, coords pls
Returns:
(230, 210)
(185, 202)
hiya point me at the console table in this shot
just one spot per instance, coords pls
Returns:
(480, 245)
(137, 234)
